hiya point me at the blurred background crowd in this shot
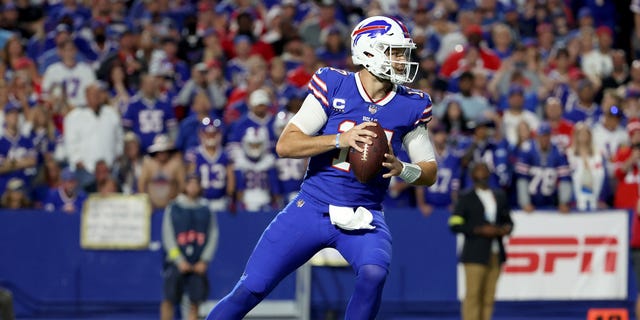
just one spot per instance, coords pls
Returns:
(133, 96)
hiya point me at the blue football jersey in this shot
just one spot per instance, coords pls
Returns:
(57, 200)
(346, 104)
(496, 155)
(542, 174)
(448, 180)
(212, 170)
(16, 148)
(258, 182)
(290, 174)
(148, 118)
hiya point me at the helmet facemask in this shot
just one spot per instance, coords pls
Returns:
(397, 66)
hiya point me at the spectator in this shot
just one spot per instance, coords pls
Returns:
(311, 29)
(69, 78)
(45, 137)
(482, 147)
(206, 78)
(129, 166)
(66, 198)
(188, 131)
(258, 117)
(483, 215)
(454, 120)
(444, 192)
(256, 174)
(620, 71)
(588, 166)
(627, 169)
(120, 94)
(473, 105)
(301, 75)
(515, 114)
(125, 56)
(212, 164)
(91, 134)
(333, 51)
(283, 90)
(149, 113)
(101, 174)
(290, 171)
(597, 64)
(543, 174)
(163, 172)
(609, 134)
(14, 196)
(18, 157)
(561, 129)
(189, 237)
(473, 55)
(47, 180)
(237, 68)
(583, 107)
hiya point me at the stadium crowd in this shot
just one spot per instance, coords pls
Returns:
(125, 96)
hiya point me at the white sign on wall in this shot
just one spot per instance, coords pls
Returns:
(116, 222)
(573, 256)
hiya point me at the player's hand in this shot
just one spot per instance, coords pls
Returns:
(185, 267)
(392, 163)
(357, 134)
(200, 267)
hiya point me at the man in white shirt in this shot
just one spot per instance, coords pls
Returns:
(69, 78)
(92, 133)
(608, 134)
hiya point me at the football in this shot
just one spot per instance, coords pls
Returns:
(367, 164)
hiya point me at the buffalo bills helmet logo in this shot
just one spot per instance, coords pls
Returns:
(371, 30)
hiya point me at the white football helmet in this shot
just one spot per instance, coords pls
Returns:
(378, 42)
(255, 142)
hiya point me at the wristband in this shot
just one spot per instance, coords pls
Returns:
(410, 172)
(338, 141)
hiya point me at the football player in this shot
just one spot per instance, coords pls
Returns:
(333, 209)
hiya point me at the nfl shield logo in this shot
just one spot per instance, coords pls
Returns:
(373, 108)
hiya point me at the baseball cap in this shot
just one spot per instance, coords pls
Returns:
(604, 30)
(516, 89)
(67, 175)
(633, 126)
(11, 106)
(584, 12)
(210, 125)
(544, 128)
(473, 29)
(15, 184)
(259, 97)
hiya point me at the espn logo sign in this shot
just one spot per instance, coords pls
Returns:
(532, 254)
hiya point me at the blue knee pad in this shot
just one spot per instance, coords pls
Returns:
(365, 301)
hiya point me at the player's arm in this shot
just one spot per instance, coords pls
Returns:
(299, 139)
(423, 169)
